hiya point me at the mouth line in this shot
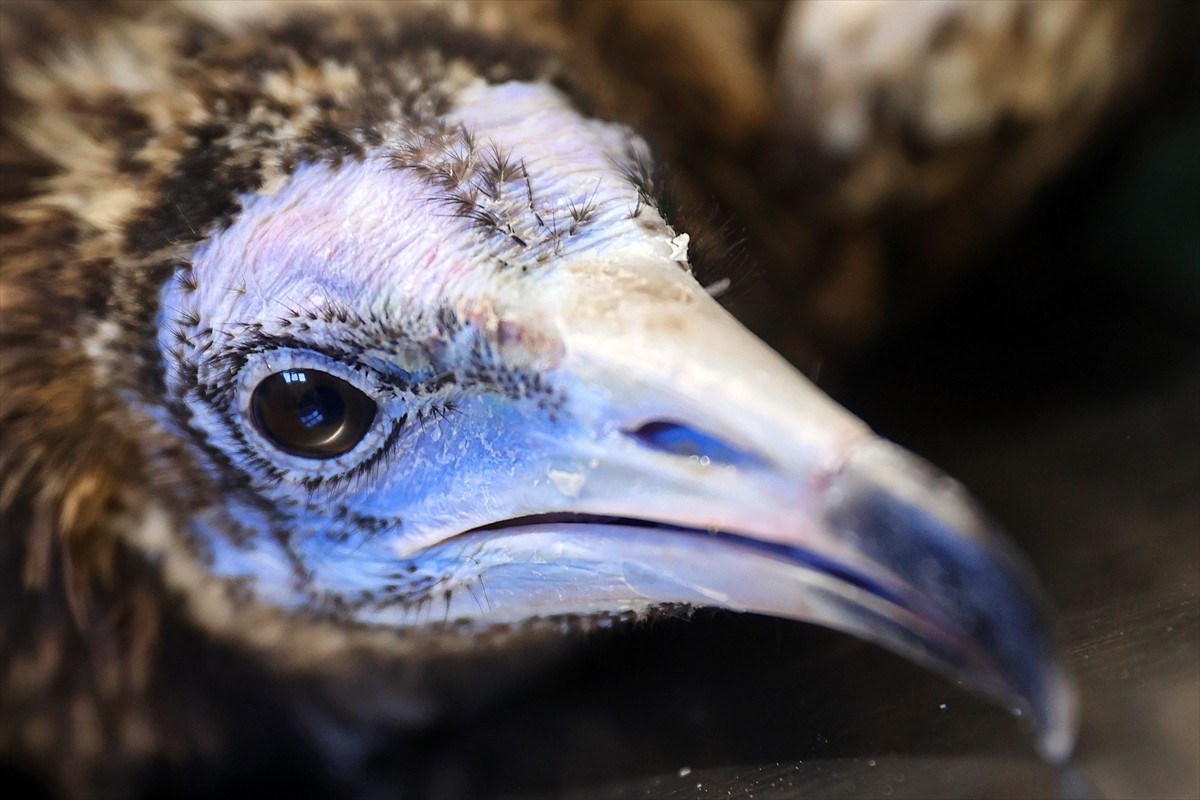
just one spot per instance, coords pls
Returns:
(796, 555)
(938, 631)
(853, 594)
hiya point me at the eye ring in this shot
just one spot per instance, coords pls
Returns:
(310, 413)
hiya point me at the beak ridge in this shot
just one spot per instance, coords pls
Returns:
(699, 468)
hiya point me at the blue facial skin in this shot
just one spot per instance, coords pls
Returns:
(447, 472)
(564, 422)
(375, 276)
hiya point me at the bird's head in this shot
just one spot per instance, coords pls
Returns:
(422, 358)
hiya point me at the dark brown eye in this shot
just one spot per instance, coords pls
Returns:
(310, 413)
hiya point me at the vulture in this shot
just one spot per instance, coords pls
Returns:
(358, 359)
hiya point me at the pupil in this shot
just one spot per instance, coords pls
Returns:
(311, 413)
(321, 409)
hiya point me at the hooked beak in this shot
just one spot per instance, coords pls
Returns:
(706, 471)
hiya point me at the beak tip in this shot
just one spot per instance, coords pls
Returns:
(958, 572)
(1058, 723)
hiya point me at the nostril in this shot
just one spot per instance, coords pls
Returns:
(680, 440)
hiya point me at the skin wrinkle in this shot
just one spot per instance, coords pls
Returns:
(280, 239)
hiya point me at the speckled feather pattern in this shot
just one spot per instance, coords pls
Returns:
(150, 124)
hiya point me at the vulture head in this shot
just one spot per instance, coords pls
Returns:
(362, 347)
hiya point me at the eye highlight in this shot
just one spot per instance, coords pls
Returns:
(310, 413)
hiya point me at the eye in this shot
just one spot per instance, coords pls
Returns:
(310, 413)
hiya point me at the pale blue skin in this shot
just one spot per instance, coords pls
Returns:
(613, 385)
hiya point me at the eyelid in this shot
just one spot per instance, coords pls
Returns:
(258, 365)
(311, 413)
(315, 473)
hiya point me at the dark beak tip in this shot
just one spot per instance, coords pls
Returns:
(960, 573)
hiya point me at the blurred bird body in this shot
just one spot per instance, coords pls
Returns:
(426, 216)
